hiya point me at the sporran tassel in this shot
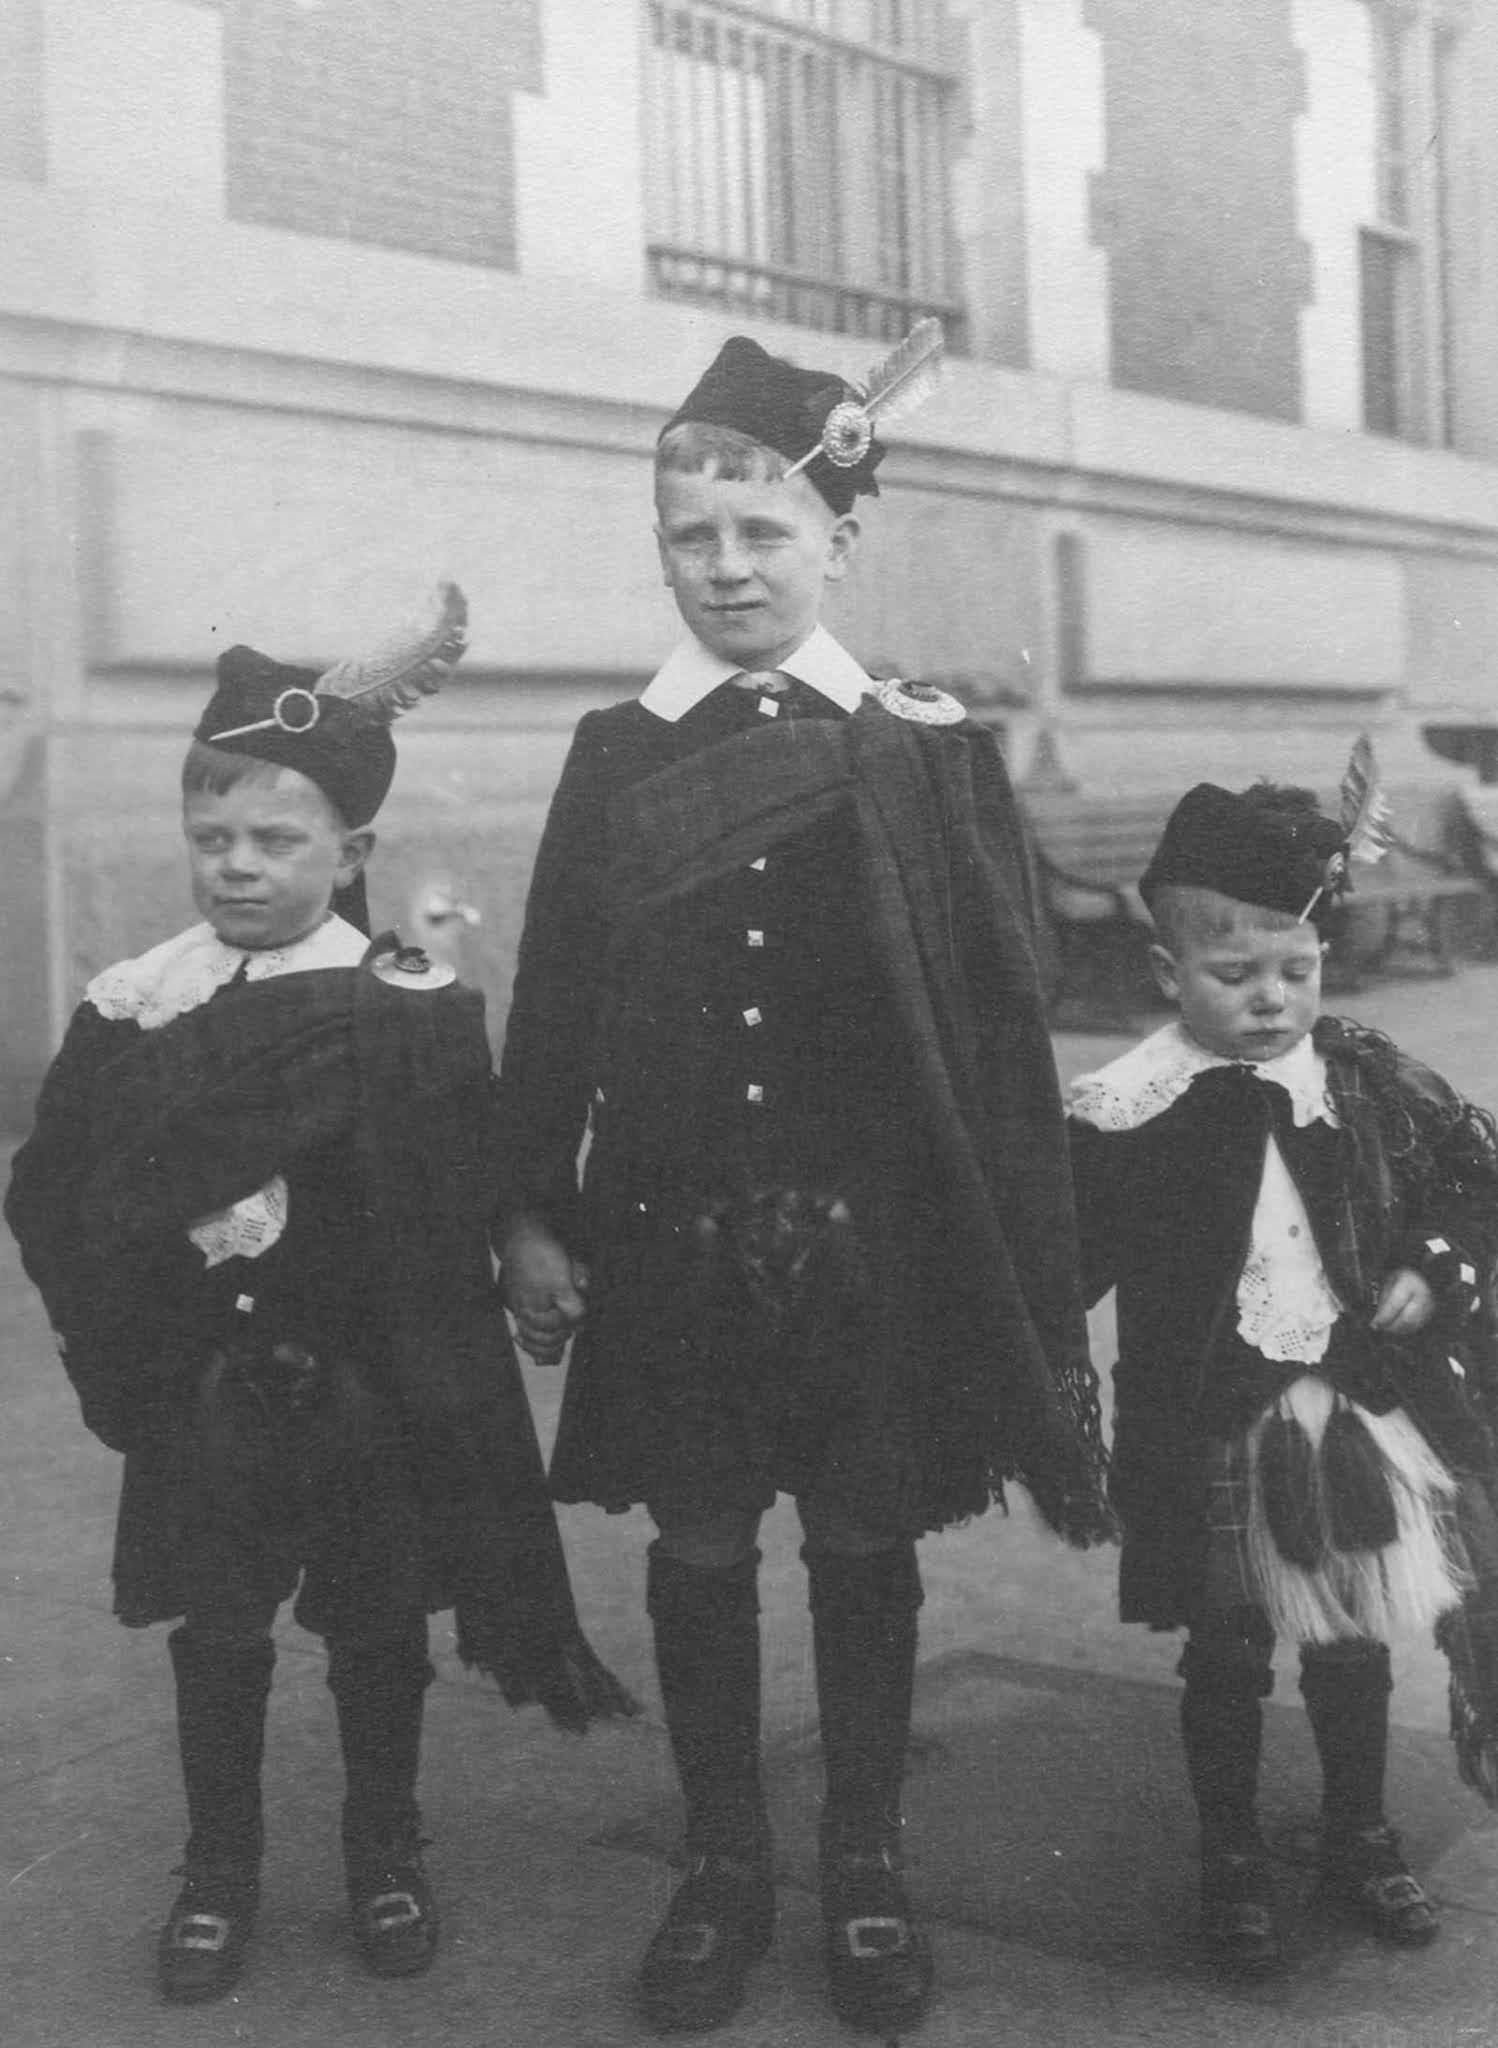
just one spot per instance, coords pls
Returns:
(1365, 1591)
(1360, 1508)
(1290, 1486)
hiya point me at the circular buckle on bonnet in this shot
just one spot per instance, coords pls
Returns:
(847, 433)
(295, 710)
(307, 716)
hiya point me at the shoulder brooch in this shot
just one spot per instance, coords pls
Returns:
(409, 967)
(921, 702)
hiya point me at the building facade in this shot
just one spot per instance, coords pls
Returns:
(307, 302)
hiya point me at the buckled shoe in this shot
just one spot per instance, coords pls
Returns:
(879, 1967)
(392, 1908)
(1366, 1867)
(718, 1925)
(1238, 1923)
(201, 1949)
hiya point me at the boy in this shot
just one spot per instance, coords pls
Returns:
(1301, 1223)
(256, 1204)
(778, 943)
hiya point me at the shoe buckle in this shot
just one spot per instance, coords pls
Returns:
(390, 1910)
(872, 1935)
(691, 1941)
(1395, 1892)
(202, 1933)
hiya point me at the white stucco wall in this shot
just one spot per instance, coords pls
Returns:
(578, 145)
(1062, 99)
(134, 100)
(1336, 194)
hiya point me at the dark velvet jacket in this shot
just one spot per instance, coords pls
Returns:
(902, 1054)
(1165, 1212)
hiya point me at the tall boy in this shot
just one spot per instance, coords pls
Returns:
(256, 1204)
(1301, 1223)
(778, 946)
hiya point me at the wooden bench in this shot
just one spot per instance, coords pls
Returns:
(1406, 909)
(1475, 838)
(1477, 831)
(1091, 851)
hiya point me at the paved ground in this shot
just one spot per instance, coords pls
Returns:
(1049, 1834)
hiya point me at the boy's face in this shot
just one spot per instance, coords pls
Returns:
(266, 857)
(747, 560)
(1248, 992)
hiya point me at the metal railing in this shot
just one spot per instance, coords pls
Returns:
(798, 156)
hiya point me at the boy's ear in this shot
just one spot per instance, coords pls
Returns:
(1167, 974)
(356, 849)
(842, 543)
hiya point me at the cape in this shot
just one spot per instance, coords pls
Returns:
(141, 1132)
(947, 895)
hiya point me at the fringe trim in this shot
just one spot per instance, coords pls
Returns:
(1374, 1593)
(566, 1678)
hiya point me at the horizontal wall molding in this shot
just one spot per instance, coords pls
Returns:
(1142, 690)
(149, 367)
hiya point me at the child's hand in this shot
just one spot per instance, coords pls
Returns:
(544, 1288)
(1405, 1303)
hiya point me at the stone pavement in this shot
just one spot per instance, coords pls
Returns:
(1050, 1837)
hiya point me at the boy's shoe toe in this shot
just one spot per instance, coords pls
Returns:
(1238, 1924)
(879, 1967)
(718, 1924)
(394, 1914)
(201, 1948)
(1368, 1869)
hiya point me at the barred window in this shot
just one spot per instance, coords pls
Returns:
(798, 160)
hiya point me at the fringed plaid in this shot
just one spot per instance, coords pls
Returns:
(1229, 1581)
(1469, 1638)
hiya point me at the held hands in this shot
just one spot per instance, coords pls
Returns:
(544, 1290)
(1405, 1303)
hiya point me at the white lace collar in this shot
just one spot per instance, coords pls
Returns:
(1143, 1082)
(183, 972)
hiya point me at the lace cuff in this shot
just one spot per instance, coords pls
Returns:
(246, 1228)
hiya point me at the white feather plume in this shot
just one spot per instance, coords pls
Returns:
(410, 663)
(894, 386)
(907, 376)
(1364, 815)
(1365, 810)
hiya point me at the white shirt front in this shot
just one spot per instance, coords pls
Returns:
(1286, 1304)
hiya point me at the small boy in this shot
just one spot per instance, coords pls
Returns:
(256, 1204)
(1301, 1223)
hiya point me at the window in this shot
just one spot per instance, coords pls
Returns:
(798, 157)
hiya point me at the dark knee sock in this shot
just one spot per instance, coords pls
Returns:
(1346, 1689)
(1228, 1673)
(864, 1626)
(379, 1689)
(223, 1683)
(707, 1657)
